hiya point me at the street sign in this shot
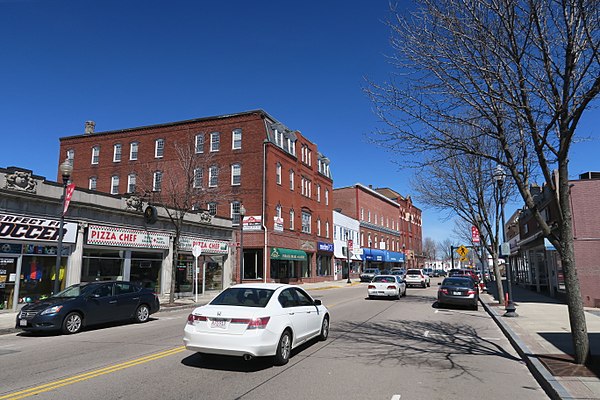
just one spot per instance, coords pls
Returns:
(463, 258)
(462, 251)
(474, 234)
(350, 244)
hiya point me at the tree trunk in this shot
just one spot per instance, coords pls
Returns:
(174, 268)
(499, 286)
(579, 334)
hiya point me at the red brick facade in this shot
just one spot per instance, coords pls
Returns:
(265, 157)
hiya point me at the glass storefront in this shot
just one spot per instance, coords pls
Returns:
(253, 264)
(324, 264)
(102, 265)
(184, 277)
(145, 269)
(8, 276)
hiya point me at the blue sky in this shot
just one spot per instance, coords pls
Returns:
(132, 63)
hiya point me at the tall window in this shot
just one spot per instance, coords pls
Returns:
(215, 141)
(159, 148)
(131, 183)
(117, 152)
(236, 139)
(199, 143)
(306, 221)
(327, 229)
(157, 181)
(198, 176)
(291, 179)
(292, 215)
(213, 176)
(362, 214)
(212, 208)
(318, 227)
(326, 197)
(71, 156)
(236, 174)
(133, 151)
(235, 212)
(278, 211)
(92, 183)
(95, 155)
(318, 193)
(114, 185)
(278, 173)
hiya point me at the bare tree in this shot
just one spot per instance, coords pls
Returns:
(430, 249)
(181, 186)
(520, 73)
(445, 249)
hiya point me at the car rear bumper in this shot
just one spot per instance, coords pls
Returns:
(383, 293)
(259, 343)
(458, 300)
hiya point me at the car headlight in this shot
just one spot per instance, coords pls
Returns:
(51, 310)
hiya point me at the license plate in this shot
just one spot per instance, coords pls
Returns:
(23, 322)
(457, 293)
(217, 323)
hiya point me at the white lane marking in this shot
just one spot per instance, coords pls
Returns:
(396, 397)
(426, 333)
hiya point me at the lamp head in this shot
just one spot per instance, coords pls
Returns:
(499, 174)
(242, 210)
(66, 169)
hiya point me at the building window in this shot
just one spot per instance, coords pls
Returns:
(306, 221)
(131, 183)
(157, 181)
(278, 211)
(198, 176)
(235, 212)
(369, 215)
(114, 185)
(236, 139)
(159, 148)
(215, 141)
(326, 197)
(92, 183)
(95, 155)
(212, 208)
(199, 143)
(362, 214)
(278, 173)
(318, 227)
(213, 176)
(117, 152)
(133, 151)
(71, 156)
(327, 230)
(318, 193)
(292, 215)
(291, 179)
(236, 174)
(279, 138)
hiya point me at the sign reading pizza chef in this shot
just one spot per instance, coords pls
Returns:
(112, 236)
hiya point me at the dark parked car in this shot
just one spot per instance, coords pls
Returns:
(89, 303)
(458, 290)
(439, 272)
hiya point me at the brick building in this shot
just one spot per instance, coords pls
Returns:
(390, 225)
(540, 267)
(219, 163)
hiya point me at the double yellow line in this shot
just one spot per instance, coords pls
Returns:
(88, 375)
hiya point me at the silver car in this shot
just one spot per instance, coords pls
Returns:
(416, 277)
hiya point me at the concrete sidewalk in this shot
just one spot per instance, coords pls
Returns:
(541, 335)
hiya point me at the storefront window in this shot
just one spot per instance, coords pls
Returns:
(8, 268)
(102, 265)
(145, 269)
(37, 277)
(323, 265)
(253, 264)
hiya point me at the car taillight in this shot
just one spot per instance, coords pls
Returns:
(471, 292)
(392, 287)
(254, 323)
(195, 318)
(371, 287)
(445, 291)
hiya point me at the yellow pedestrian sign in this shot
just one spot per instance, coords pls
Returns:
(462, 251)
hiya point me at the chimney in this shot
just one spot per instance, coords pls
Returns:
(89, 127)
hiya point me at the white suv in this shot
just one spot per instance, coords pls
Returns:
(416, 277)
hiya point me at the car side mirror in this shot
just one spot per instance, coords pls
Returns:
(317, 302)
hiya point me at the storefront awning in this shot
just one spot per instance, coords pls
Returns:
(392, 256)
(373, 255)
(278, 253)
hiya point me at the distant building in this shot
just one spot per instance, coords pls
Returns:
(283, 182)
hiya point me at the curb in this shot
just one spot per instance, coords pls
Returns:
(551, 386)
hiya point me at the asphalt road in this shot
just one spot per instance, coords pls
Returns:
(377, 349)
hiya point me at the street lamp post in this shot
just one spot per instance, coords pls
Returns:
(499, 177)
(242, 214)
(65, 170)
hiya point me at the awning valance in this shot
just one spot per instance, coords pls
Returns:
(278, 253)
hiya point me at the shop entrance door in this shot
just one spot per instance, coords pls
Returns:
(8, 276)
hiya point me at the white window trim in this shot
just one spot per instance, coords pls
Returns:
(95, 181)
(95, 155)
(213, 171)
(116, 153)
(214, 135)
(239, 174)
(200, 149)
(130, 178)
(114, 179)
(131, 153)
(233, 133)
(157, 147)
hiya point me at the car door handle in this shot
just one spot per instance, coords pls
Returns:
(136, 298)
(112, 302)
(292, 313)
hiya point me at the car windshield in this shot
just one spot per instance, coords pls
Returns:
(413, 272)
(371, 271)
(384, 279)
(76, 291)
(244, 297)
(457, 282)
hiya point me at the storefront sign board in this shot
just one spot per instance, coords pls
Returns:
(208, 246)
(113, 236)
(28, 228)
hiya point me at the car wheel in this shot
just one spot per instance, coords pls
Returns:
(475, 307)
(284, 348)
(72, 323)
(142, 314)
(324, 329)
(423, 285)
(371, 297)
(429, 284)
(404, 293)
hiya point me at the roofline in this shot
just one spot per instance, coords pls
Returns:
(183, 122)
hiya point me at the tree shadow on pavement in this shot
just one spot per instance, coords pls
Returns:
(416, 343)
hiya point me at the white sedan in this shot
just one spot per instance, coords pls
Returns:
(256, 320)
(387, 286)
